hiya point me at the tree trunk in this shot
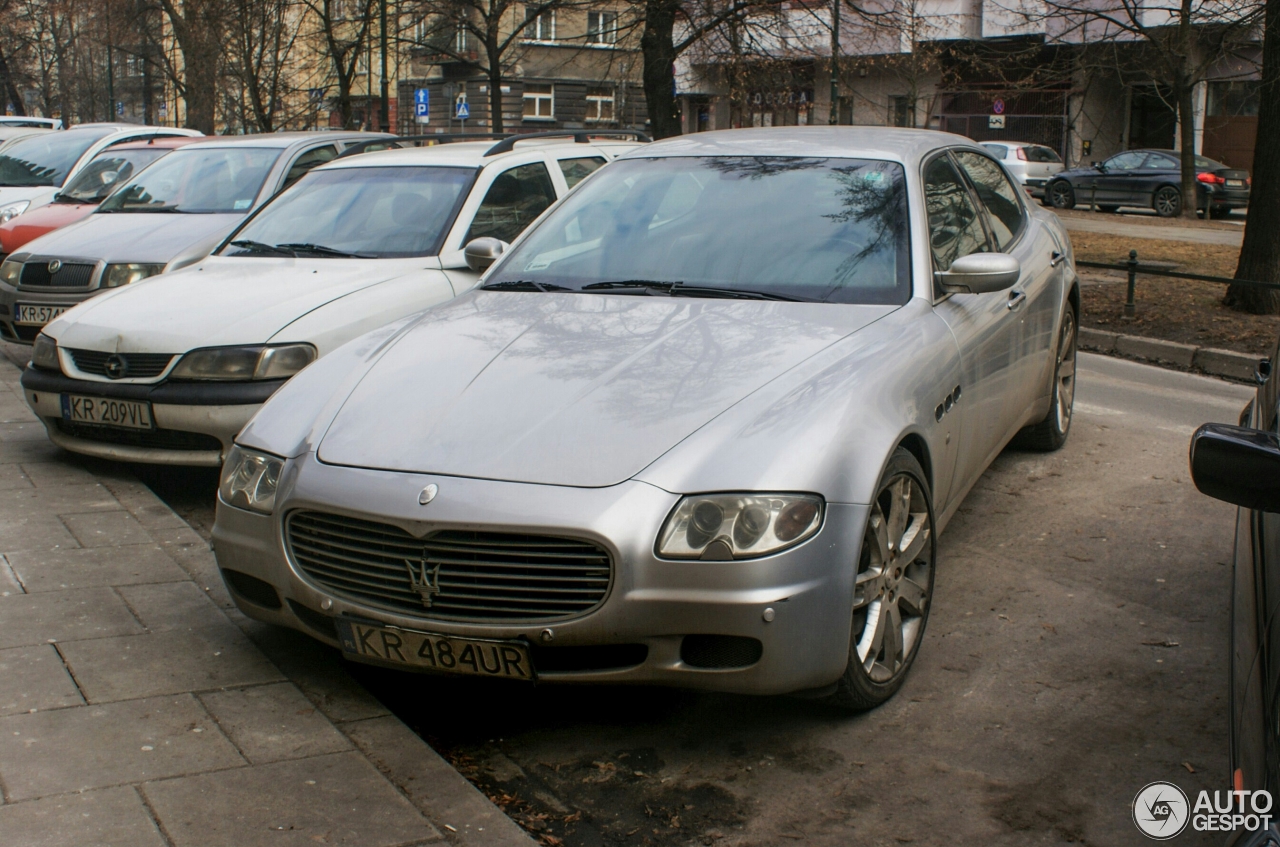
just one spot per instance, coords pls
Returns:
(658, 49)
(10, 87)
(1187, 141)
(1260, 254)
(495, 82)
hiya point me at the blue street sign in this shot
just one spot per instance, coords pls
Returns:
(464, 111)
(421, 104)
(119, 107)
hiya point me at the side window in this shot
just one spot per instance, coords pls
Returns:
(996, 193)
(955, 229)
(307, 161)
(516, 197)
(1128, 161)
(576, 170)
(1156, 162)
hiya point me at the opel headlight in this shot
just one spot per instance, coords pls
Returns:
(244, 363)
(249, 480)
(44, 354)
(719, 527)
(9, 211)
(10, 271)
(118, 275)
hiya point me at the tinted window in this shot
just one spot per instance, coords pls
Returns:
(307, 161)
(576, 170)
(996, 193)
(47, 158)
(1000, 151)
(375, 212)
(1128, 161)
(835, 230)
(197, 179)
(955, 229)
(1041, 154)
(1210, 164)
(514, 199)
(1157, 161)
(107, 170)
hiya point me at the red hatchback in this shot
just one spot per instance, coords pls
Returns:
(111, 167)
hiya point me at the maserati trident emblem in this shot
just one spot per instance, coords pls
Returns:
(55, 266)
(428, 494)
(115, 367)
(424, 578)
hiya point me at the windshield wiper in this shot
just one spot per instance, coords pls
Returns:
(523, 285)
(679, 289)
(145, 209)
(645, 286)
(321, 250)
(261, 247)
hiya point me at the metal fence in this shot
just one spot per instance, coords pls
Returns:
(1133, 268)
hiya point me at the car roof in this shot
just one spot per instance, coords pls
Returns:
(469, 154)
(285, 139)
(164, 141)
(888, 143)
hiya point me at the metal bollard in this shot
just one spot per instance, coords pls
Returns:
(1133, 273)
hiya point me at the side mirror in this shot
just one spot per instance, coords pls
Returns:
(1238, 465)
(1097, 166)
(980, 273)
(483, 252)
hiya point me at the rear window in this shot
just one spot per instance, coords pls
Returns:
(1041, 154)
(1000, 151)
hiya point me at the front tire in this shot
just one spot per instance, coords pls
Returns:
(893, 589)
(1061, 195)
(1167, 201)
(1051, 433)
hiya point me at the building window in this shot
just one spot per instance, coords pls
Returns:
(539, 101)
(600, 105)
(540, 27)
(338, 10)
(902, 111)
(602, 27)
(1234, 99)
(462, 40)
(420, 31)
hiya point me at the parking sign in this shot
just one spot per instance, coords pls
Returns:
(422, 105)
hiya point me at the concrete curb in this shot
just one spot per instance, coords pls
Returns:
(1208, 360)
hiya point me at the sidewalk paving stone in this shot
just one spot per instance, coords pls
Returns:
(337, 799)
(270, 723)
(106, 530)
(109, 817)
(43, 474)
(12, 477)
(66, 750)
(63, 568)
(174, 605)
(34, 678)
(64, 616)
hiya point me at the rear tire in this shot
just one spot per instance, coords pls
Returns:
(893, 589)
(1051, 433)
(1060, 194)
(1167, 201)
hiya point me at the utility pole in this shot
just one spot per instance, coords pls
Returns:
(385, 112)
(834, 117)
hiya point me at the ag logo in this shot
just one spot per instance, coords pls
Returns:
(55, 266)
(1161, 810)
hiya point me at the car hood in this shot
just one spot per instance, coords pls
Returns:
(221, 301)
(150, 237)
(37, 194)
(30, 225)
(568, 389)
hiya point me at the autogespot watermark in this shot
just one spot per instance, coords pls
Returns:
(1161, 810)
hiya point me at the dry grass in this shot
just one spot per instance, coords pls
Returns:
(1211, 259)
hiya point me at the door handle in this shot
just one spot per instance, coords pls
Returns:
(1056, 258)
(1016, 299)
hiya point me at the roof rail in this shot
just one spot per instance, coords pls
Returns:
(438, 138)
(508, 144)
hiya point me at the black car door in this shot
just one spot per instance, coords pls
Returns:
(1158, 169)
(1111, 181)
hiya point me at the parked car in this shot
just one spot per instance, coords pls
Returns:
(187, 359)
(167, 217)
(35, 166)
(668, 442)
(1150, 179)
(1241, 465)
(29, 122)
(82, 194)
(1032, 165)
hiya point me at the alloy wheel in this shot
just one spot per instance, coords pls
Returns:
(895, 579)
(1065, 393)
(1061, 195)
(1167, 202)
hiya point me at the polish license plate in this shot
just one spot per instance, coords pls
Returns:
(106, 411)
(1235, 183)
(471, 656)
(29, 315)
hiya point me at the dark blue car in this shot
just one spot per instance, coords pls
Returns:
(1150, 179)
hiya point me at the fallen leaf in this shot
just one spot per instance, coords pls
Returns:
(1165, 643)
(1187, 765)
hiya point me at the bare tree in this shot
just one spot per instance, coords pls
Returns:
(263, 35)
(345, 27)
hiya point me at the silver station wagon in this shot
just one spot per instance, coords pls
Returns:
(699, 426)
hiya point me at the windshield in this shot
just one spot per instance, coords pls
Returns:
(369, 212)
(1210, 164)
(1041, 154)
(107, 170)
(199, 180)
(832, 230)
(45, 159)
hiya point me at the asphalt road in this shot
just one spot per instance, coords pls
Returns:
(1041, 702)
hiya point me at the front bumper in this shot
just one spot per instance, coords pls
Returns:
(10, 297)
(651, 602)
(195, 422)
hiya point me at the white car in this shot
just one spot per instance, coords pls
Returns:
(1032, 165)
(35, 166)
(168, 370)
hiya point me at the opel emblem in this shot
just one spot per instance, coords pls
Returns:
(55, 266)
(116, 367)
(428, 494)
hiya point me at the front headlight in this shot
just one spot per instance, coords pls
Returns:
(718, 527)
(9, 211)
(10, 271)
(44, 354)
(118, 275)
(244, 363)
(249, 480)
